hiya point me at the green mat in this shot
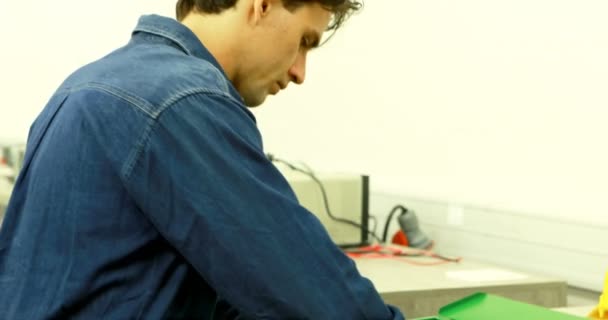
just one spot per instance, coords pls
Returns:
(483, 306)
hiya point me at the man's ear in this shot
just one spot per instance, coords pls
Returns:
(259, 9)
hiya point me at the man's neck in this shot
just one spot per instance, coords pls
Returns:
(217, 33)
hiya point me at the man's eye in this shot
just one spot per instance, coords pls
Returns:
(305, 43)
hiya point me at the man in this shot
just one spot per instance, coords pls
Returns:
(145, 191)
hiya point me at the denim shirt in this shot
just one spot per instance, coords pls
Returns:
(146, 194)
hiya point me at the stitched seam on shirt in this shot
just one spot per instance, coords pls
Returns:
(190, 92)
(136, 101)
(138, 149)
(146, 107)
(142, 143)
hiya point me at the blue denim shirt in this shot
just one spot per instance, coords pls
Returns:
(146, 194)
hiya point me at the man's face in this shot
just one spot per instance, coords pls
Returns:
(275, 49)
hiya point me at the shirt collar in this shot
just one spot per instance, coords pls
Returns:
(183, 37)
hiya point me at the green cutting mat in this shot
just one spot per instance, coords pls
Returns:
(483, 306)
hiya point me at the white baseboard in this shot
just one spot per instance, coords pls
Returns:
(572, 251)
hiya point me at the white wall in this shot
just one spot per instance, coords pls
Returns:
(487, 118)
(44, 41)
(501, 104)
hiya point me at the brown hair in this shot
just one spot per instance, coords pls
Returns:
(341, 9)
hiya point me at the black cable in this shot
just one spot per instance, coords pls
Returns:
(390, 217)
(324, 195)
(373, 218)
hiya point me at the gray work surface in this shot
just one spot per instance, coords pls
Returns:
(581, 311)
(420, 291)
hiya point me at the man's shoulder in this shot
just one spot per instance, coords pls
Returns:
(151, 78)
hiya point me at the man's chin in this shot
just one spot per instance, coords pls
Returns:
(254, 101)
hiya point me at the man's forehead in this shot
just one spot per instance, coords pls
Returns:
(317, 15)
(319, 19)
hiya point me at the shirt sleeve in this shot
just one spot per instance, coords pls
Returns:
(203, 180)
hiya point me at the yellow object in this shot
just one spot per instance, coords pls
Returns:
(601, 311)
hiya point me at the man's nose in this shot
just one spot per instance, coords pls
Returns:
(297, 72)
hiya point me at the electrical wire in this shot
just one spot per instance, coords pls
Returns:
(373, 218)
(390, 218)
(381, 251)
(324, 196)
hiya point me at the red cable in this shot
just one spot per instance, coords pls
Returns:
(378, 251)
